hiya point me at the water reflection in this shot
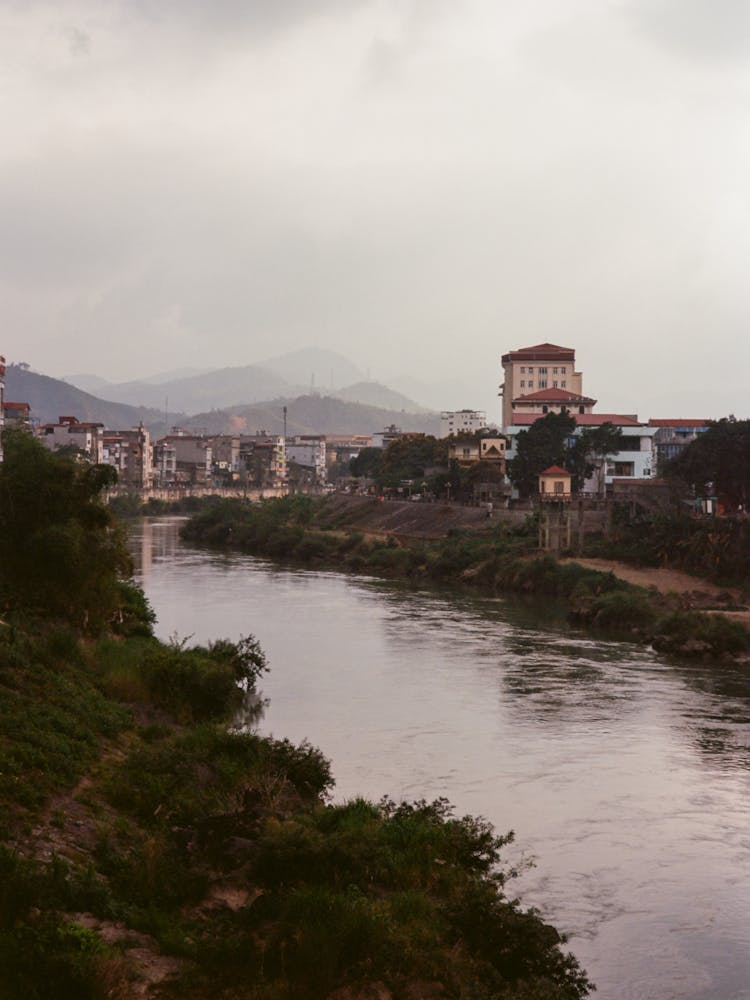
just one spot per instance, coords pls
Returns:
(626, 776)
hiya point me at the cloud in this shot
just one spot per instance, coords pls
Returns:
(701, 29)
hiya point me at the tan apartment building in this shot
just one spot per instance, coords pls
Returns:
(530, 370)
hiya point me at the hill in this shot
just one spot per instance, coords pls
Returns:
(314, 367)
(312, 415)
(51, 398)
(376, 394)
(207, 390)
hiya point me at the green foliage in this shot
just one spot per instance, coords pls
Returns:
(544, 444)
(53, 716)
(553, 440)
(720, 456)
(60, 550)
(701, 635)
(714, 548)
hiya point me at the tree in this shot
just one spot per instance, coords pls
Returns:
(61, 551)
(720, 456)
(589, 452)
(544, 444)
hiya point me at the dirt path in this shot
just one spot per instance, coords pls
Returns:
(665, 580)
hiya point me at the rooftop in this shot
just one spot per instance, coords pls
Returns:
(583, 419)
(541, 352)
(554, 394)
(555, 470)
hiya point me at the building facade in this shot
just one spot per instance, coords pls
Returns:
(531, 369)
(462, 422)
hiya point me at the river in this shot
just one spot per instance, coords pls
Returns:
(625, 777)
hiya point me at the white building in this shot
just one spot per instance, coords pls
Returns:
(634, 460)
(309, 451)
(462, 422)
(69, 432)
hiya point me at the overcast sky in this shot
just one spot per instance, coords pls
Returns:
(419, 184)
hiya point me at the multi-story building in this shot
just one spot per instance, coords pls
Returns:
(130, 452)
(87, 439)
(468, 450)
(309, 452)
(192, 458)
(531, 369)
(673, 436)
(263, 457)
(164, 463)
(225, 464)
(16, 414)
(462, 422)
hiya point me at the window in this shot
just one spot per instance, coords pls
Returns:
(563, 371)
(554, 384)
(530, 370)
(542, 371)
(545, 409)
(562, 384)
(523, 371)
(523, 383)
(554, 372)
(559, 487)
(530, 385)
(542, 383)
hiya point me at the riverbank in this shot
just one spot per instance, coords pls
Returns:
(147, 851)
(501, 557)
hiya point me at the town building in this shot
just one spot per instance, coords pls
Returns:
(164, 463)
(225, 464)
(634, 460)
(554, 483)
(468, 450)
(530, 370)
(192, 458)
(673, 436)
(86, 439)
(308, 452)
(462, 422)
(131, 454)
(263, 460)
(16, 414)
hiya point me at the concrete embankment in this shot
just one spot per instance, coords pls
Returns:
(409, 519)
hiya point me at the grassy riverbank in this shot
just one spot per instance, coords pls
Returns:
(142, 840)
(502, 558)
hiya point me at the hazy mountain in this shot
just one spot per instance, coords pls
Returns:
(314, 368)
(375, 394)
(208, 390)
(445, 395)
(312, 414)
(89, 383)
(51, 398)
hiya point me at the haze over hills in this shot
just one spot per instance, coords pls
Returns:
(287, 376)
(311, 414)
(51, 398)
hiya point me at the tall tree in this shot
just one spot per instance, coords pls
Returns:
(544, 444)
(720, 457)
(61, 551)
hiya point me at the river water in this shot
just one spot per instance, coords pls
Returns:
(625, 777)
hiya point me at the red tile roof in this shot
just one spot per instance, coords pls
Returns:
(562, 394)
(24, 407)
(680, 422)
(541, 352)
(555, 470)
(583, 419)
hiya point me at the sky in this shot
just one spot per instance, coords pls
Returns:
(421, 185)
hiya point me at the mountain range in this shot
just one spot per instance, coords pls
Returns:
(244, 399)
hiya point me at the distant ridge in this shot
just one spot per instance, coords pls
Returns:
(312, 414)
(51, 398)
